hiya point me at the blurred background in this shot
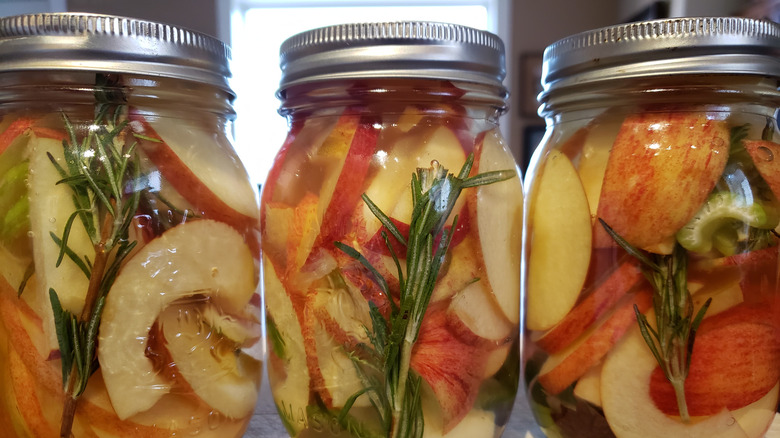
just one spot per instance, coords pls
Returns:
(256, 28)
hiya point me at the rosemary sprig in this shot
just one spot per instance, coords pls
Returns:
(434, 193)
(671, 342)
(98, 166)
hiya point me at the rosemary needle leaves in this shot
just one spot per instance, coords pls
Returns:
(98, 165)
(671, 342)
(396, 397)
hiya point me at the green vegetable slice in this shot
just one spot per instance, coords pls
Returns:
(720, 220)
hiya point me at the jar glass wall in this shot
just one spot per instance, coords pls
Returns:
(650, 256)
(129, 256)
(391, 236)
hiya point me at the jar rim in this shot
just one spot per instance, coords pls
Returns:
(404, 49)
(72, 41)
(655, 48)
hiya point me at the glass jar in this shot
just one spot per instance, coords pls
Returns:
(650, 252)
(391, 235)
(129, 233)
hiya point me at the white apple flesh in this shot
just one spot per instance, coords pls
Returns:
(200, 257)
(560, 243)
(212, 364)
(499, 211)
(627, 405)
(51, 205)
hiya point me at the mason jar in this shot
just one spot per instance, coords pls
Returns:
(391, 226)
(651, 232)
(129, 233)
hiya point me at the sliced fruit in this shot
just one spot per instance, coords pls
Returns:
(626, 401)
(562, 369)
(756, 418)
(476, 317)
(596, 303)
(289, 381)
(202, 167)
(498, 219)
(560, 243)
(201, 257)
(440, 144)
(341, 318)
(735, 362)
(211, 363)
(452, 368)
(352, 147)
(588, 386)
(593, 159)
(464, 268)
(51, 205)
(27, 398)
(722, 209)
(660, 171)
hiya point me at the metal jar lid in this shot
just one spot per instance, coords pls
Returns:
(701, 45)
(393, 50)
(104, 43)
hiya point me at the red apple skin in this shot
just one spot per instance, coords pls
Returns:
(349, 186)
(597, 345)
(735, 362)
(662, 167)
(184, 180)
(451, 367)
(597, 303)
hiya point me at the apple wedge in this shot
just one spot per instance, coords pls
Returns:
(594, 157)
(51, 205)
(202, 167)
(476, 318)
(210, 362)
(497, 213)
(560, 242)
(201, 257)
(290, 379)
(756, 418)
(452, 368)
(596, 303)
(440, 144)
(562, 369)
(630, 410)
(734, 363)
(661, 169)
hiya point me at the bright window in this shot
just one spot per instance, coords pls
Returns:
(257, 29)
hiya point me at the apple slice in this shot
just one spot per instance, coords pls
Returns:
(594, 157)
(595, 304)
(51, 205)
(465, 266)
(498, 218)
(476, 317)
(627, 404)
(560, 242)
(588, 387)
(735, 362)
(340, 193)
(756, 418)
(440, 144)
(201, 257)
(452, 368)
(562, 369)
(661, 169)
(287, 370)
(211, 363)
(27, 398)
(201, 166)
